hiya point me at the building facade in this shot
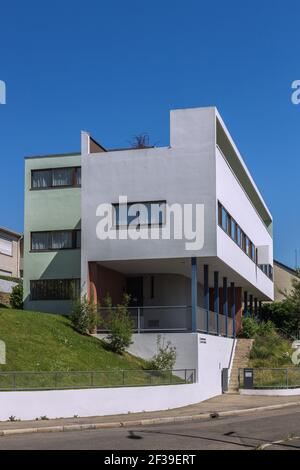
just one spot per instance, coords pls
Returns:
(284, 276)
(180, 277)
(11, 247)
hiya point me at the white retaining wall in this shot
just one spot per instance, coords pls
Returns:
(207, 354)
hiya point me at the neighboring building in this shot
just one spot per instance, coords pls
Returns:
(283, 279)
(11, 247)
(172, 288)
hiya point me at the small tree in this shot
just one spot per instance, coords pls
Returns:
(84, 315)
(119, 324)
(165, 358)
(16, 296)
(140, 141)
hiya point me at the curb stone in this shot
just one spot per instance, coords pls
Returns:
(142, 422)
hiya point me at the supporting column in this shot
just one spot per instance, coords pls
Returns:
(233, 308)
(259, 307)
(245, 303)
(225, 304)
(206, 296)
(216, 298)
(255, 307)
(194, 294)
(251, 304)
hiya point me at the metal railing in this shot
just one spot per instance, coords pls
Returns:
(269, 378)
(152, 318)
(10, 381)
(214, 323)
(170, 319)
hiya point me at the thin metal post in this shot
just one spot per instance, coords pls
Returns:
(245, 302)
(233, 308)
(287, 378)
(139, 319)
(225, 304)
(206, 296)
(251, 304)
(194, 294)
(216, 298)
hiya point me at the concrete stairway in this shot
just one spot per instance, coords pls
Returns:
(240, 360)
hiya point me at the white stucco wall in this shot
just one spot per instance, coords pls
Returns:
(234, 199)
(183, 173)
(207, 354)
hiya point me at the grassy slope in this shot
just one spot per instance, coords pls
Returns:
(44, 342)
(271, 351)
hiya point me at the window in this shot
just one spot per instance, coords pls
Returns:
(239, 237)
(54, 289)
(6, 246)
(5, 273)
(140, 213)
(253, 252)
(56, 178)
(224, 222)
(267, 269)
(229, 225)
(55, 240)
(233, 229)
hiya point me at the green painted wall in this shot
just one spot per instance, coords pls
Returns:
(50, 209)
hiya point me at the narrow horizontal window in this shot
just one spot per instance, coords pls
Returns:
(140, 214)
(229, 225)
(56, 178)
(55, 240)
(54, 289)
(5, 273)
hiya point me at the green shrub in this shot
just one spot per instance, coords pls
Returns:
(249, 327)
(270, 351)
(16, 296)
(84, 315)
(165, 357)
(119, 324)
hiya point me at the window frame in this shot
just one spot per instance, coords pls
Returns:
(235, 232)
(47, 297)
(126, 226)
(74, 170)
(45, 250)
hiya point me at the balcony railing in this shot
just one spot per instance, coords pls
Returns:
(175, 318)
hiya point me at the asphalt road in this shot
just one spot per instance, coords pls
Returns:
(251, 432)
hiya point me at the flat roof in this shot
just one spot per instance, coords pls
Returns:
(52, 155)
(11, 232)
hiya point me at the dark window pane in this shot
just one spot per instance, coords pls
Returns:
(41, 178)
(54, 289)
(62, 177)
(40, 241)
(224, 220)
(78, 238)
(233, 229)
(78, 177)
(61, 240)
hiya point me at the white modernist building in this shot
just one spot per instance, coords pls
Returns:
(203, 280)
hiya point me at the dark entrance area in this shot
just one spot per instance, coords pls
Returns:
(134, 287)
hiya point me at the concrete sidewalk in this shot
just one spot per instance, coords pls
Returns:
(224, 405)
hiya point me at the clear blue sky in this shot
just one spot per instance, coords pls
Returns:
(116, 68)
